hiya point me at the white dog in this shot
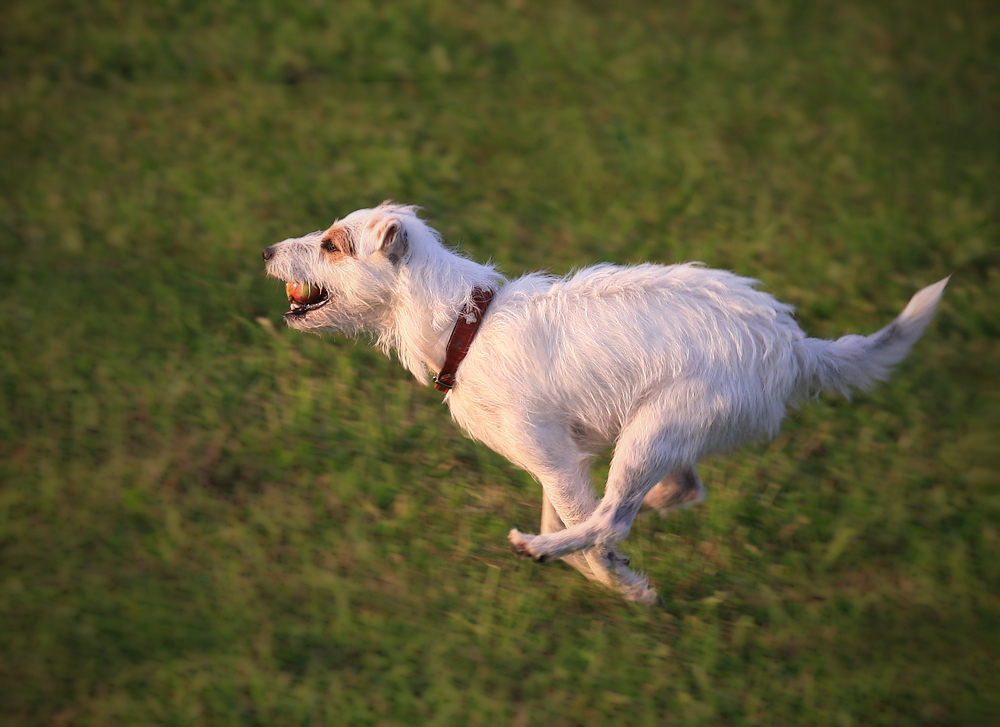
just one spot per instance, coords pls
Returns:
(669, 363)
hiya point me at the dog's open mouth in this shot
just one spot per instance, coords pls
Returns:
(305, 297)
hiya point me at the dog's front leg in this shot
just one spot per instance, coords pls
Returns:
(550, 452)
(568, 500)
(653, 444)
(602, 564)
(568, 497)
(552, 523)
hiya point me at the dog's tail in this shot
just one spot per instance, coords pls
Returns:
(860, 361)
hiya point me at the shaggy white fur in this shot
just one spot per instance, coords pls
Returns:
(670, 363)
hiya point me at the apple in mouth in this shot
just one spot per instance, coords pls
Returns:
(304, 297)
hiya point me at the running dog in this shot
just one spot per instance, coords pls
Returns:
(670, 363)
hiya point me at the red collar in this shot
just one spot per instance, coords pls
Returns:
(462, 335)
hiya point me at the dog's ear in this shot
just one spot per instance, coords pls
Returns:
(392, 240)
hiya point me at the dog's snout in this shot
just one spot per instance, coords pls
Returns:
(268, 253)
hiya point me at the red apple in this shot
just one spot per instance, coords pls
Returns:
(303, 293)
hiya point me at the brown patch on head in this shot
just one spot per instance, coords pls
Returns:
(337, 242)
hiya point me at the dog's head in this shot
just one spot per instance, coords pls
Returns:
(344, 278)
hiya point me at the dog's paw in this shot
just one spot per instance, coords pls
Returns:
(636, 588)
(520, 543)
(633, 586)
(646, 596)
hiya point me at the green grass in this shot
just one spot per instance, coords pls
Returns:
(206, 519)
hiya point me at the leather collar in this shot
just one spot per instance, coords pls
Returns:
(462, 335)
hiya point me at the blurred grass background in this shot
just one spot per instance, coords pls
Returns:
(206, 519)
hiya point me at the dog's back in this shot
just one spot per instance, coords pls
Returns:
(605, 339)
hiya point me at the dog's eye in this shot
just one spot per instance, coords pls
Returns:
(328, 245)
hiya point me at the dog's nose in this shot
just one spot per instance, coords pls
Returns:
(268, 253)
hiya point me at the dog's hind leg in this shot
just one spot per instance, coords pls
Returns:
(681, 488)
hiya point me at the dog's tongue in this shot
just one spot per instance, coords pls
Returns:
(302, 293)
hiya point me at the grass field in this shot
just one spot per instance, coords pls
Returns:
(206, 519)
